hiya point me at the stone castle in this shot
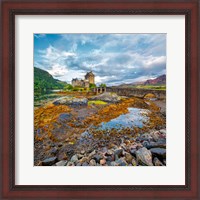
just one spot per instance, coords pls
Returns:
(89, 78)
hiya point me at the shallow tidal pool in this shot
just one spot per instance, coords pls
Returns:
(134, 118)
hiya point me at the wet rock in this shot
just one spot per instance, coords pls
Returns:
(69, 152)
(144, 137)
(97, 158)
(128, 157)
(61, 163)
(158, 152)
(109, 153)
(80, 156)
(157, 162)
(108, 163)
(110, 158)
(118, 153)
(67, 140)
(163, 131)
(39, 163)
(72, 101)
(62, 156)
(126, 137)
(123, 146)
(104, 150)
(133, 151)
(60, 145)
(108, 97)
(134, 162)
(70, 163)
(54, 151)
(82, 152)
(121, 162)
(49, 161)
(92, 162)
(85, 164)
(145, 144)
(82, 160)
(113, 163)
(78, 164)
(65, 117)
(127, 142)
(144, 157)
(161, 143)
(155, 135)
(74, 158)
(92, 154)
(102, 161)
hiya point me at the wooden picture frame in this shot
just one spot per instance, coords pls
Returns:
(12, 8)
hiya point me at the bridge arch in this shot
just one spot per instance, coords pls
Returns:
(99, 90)
(150, 95)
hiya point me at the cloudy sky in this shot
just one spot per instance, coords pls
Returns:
(113, 58)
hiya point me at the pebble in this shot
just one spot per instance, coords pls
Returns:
(70, 163)
(97, 158)
(74, 158)
(92, 154)
(159, 152)
(109, 153)
(62, 156)
(102, 161)
(163, 131)
(61, 163)
(82, 152)
(80, 156)
(92, 162)
(157, 162)
(121, 162)
(84, 159)
(133, 151)
(85, 164)
(118, 153)
(49, 161)
(54, 151)
(134, 162)
(155, 135)
(60, 145)
(144, 157)
(128, 157)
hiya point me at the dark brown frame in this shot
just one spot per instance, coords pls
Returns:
(10, 8)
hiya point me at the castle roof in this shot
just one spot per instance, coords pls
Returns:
(90, 73)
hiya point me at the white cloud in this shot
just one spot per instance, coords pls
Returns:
(39, 35)
(114, 58)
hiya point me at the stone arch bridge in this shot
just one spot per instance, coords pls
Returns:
(135, 92)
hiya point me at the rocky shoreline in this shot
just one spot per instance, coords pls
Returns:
(67, 134)
(148, 149)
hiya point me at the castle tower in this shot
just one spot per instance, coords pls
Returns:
(90, 77)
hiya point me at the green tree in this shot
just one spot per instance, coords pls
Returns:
(68, 87)
(92, 85)
(102, 85)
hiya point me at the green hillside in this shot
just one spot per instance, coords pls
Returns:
(45, 81)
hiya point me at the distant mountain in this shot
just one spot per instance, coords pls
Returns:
(161, 80)
(44, 80)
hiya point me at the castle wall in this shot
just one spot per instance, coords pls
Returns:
(89, 78)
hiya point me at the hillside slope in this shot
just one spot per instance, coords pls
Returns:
(44, 80)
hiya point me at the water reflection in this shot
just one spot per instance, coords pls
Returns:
(134, 118)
